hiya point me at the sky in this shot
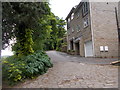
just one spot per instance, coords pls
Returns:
(61, 8)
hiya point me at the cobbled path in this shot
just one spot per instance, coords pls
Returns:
(69, 72)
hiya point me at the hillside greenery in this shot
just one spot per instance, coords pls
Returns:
(35, 29)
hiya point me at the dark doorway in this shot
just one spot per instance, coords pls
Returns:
(77, 48)
(71, 45)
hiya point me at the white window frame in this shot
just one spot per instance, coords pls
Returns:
(68, 23)
(86, 22)
(68, 20)
(72, 16)
(85, 8)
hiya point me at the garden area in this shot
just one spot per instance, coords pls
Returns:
(35, 29)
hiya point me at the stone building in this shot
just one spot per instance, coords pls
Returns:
(92, 29)
(119, 27)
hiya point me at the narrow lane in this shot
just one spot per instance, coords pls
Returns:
(68, 74)
(60, 56)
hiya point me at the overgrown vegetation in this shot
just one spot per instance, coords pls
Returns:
(24, 43)
(19, 68)
(54, 42)
(35, 29)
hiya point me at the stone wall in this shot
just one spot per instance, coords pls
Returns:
(119, 27)
(84, 33)
(104, 28)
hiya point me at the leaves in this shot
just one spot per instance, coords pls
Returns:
(57, 33)
(19, 16)
(19, 68)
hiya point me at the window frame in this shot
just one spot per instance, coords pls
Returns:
(68, 22)
(78, 14)
(72, 16)
(78, 28)
(85, 8)
(86, 22)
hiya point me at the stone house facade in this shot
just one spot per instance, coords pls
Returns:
(92, 29)
(119, 27)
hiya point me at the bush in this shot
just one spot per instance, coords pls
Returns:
(69, 50)
(19, 68)
(72, 50)
(58, 49)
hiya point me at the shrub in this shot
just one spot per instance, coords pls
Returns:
(69, 50)
(19, 68)
(58, 49)
(72, 50)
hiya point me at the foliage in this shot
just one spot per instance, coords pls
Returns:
(48, 29)
(69, 50)
(64, 44)
(58, 32)
(19, 16)
(19, 68)
(35, 28)
(24, 43)
(72, 52)
(41, 33)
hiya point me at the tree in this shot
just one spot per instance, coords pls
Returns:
(45, 29)
(58, 32)
(20, 19)
(27, 23)
(41, 33)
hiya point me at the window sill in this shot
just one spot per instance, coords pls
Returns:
(86, 26)
(85, 14)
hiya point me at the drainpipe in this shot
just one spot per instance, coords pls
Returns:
(116, 13)
(0, 28)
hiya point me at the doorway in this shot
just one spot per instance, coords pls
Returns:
(77, 48)
(71, 45)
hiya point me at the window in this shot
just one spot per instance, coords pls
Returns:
(86, 22)
(68, 20)
(72, 29)
(68, 23)
(78, 14)
(72, 16)
(85, 8)
(78, 28)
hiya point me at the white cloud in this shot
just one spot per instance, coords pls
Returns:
(62, 8)
(6, 52)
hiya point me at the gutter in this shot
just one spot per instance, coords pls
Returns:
(116, 13)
